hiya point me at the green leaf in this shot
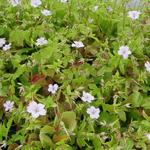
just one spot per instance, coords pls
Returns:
(69, 119)
(64, 147)
(136, 99)
(21, 69)
(122, 115)
(128, 144)
(47, 130)
(81, 142)
(16, 37)
(96, 142)
(146, 103)
(45, 138)
(45, 54)
(46, 141)
(3, 132)
(48, 102)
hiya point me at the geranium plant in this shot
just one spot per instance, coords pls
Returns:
(74, 74)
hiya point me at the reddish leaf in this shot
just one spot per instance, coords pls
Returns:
(36, 78)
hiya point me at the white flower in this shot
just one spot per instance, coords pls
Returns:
(46, 12)
(15, 2)
(2, 42)
(63, 1)
(87, 97)
(90, 20)
(93, 112)
(124, 51)
(52, 88)
(8, 105)
(147, 65)
(41, 41)
(36, 109)
(148, 136)
(134, 14)
(95, 8)
(36, 3)
(77, 44)
(6, 47)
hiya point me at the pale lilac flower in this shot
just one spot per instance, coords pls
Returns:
(41, 41)
(2, 42)
(36, 3)
(46, 12)
(133, 3)
(52, 88)
(93, 112)
(77, 44)
(36, 109)
(7, 47)
(124, 51)
(109, 9)
(64, 1)
(148, 136)
(147, 65)
(134, 14)
(95, 8)
(87, 97)
(15, 2)
(8, 105)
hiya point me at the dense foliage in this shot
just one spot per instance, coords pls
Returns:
(74, 75)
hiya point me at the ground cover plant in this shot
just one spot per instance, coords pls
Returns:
(74, 75)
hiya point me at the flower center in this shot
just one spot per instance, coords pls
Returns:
(93, 112)
(36, 110)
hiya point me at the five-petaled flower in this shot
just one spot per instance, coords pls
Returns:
(36, 3)
(147, 65)
(93, 112)
(8, 105)
(134, 14)
(148, 136)
(36, 109)
(15, 2)
(87, 97)
(124, 51)
(7, 47)
(52, 88)
(46, 12)
(2, 42)
(77, 44)
(41, 41)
